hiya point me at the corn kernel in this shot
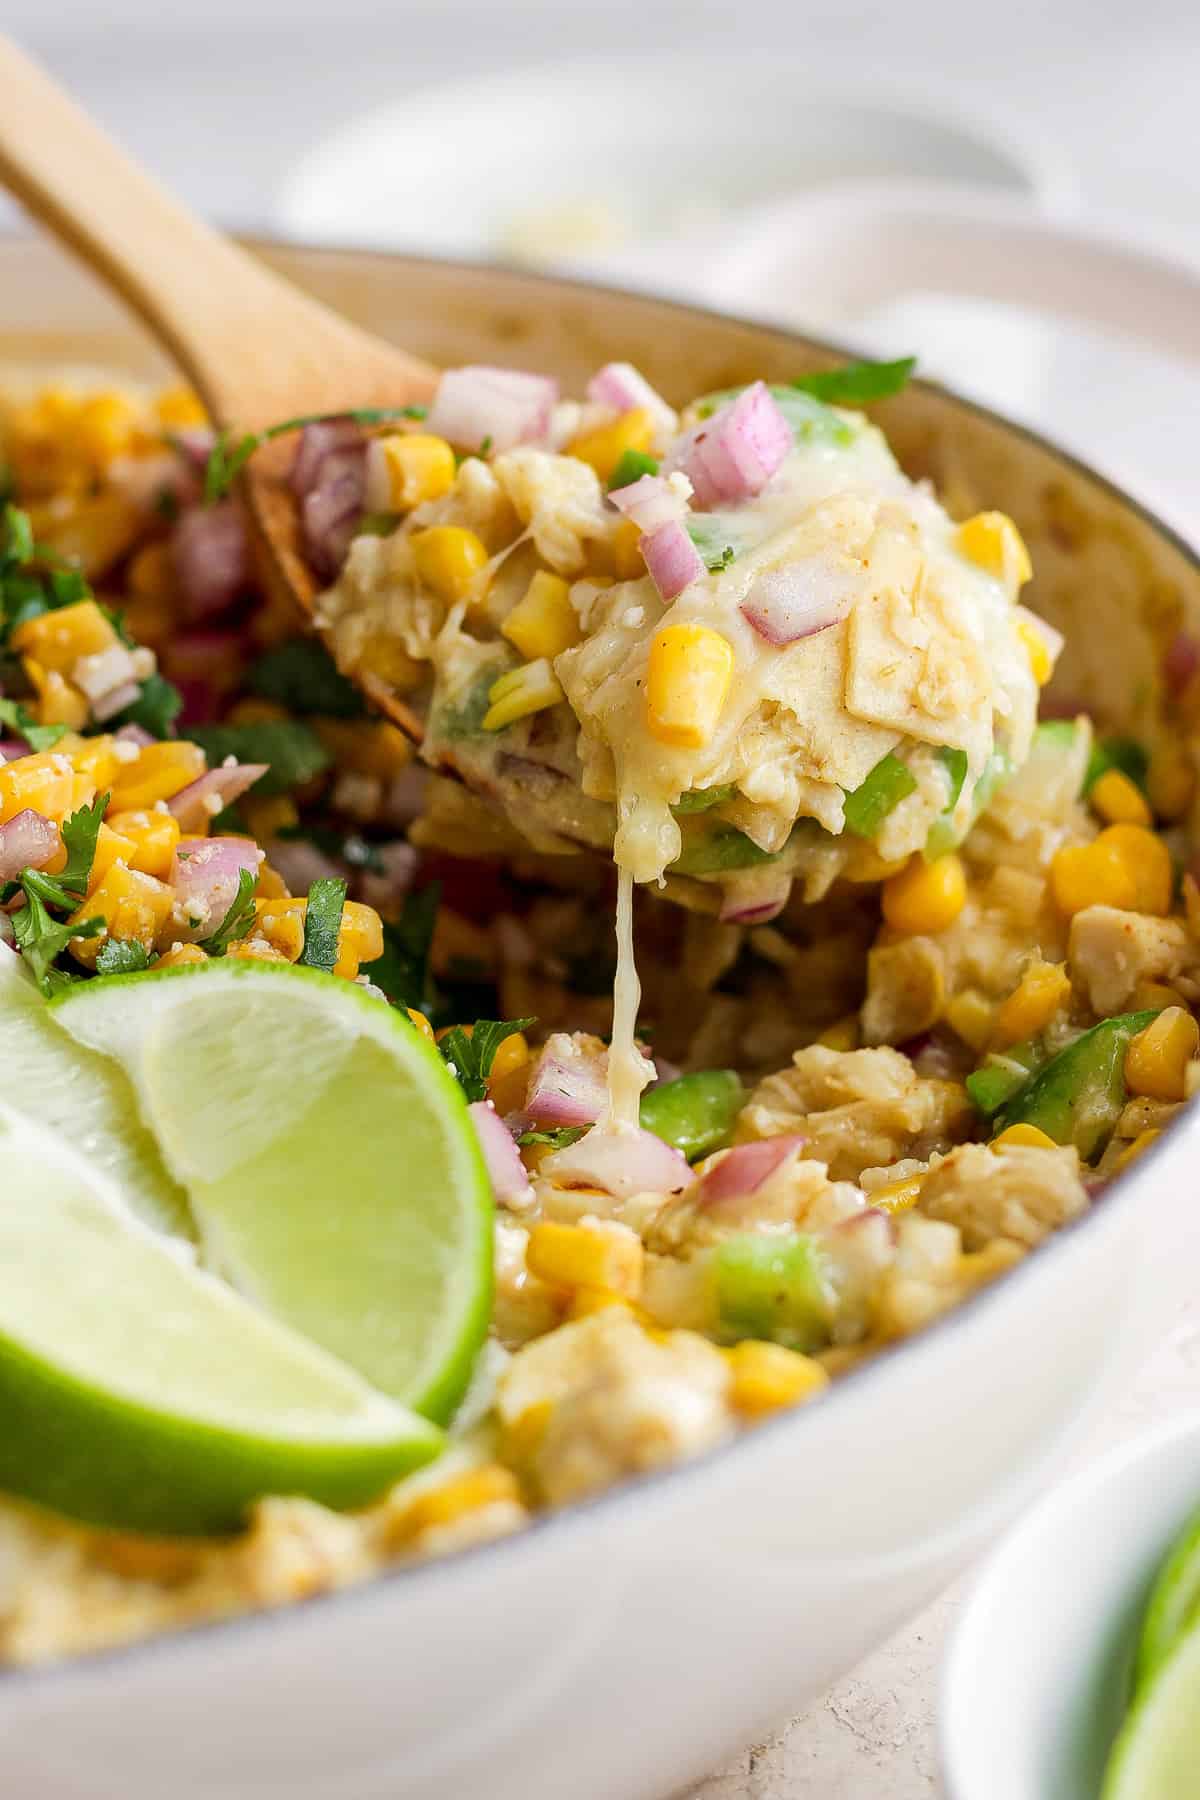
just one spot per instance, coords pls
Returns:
(1155, 996)
(970, 1015)
(417, 467)
(160, 772)
(181, 955)
(281, 923)
(991, 540)
(365, 746)
(767, 1377)
(1041, 991)
(687, 679)
(360, 938)
(574, 1256)
(253, 711)
(421, 1022)
(843, 1034)
(489, 1485)
(59, 701)
(1127, 866)
(898, 1196)
(628, 562)
(92, 533)
(95, 757)
(1141, 1143)
(529, 689)
(383, 653)
(512, 1054)
(925, 897)
(134, 908)
(543, 622)
(58, 639)
(1157, 1058)
(1041, 664)
(449, 560)
(1029, 1136)
(1118, 800)
(268, 817)
(1149, 861)
(151, 836)
(604, 447)
(257, 949)
(1170, 781)
(180, 408)
(585, 1301)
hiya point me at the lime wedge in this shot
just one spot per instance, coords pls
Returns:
(84, 1097)
(1157, 1754)
(139, 1392)
(1174, 1606)
(332, 1169)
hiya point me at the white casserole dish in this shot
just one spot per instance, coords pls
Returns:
(620, 1649)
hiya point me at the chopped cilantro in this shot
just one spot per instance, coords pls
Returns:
(16, 538)
(292, 749)
(41, 939)
(122, 956)
(377, 524)
(155, 709)
(857, 382)
(465, 717)
(470, 1057)
(303, 676)
(559, 1138)
(38, 737)
(322, 922)
(631, 466)
(79, 834)
(403, 970)
(228, 458)
(238, 920)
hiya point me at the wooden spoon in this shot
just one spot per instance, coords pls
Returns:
(255, 348)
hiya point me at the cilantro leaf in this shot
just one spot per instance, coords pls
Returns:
(155, 709)
(303, 676)
(79, 834)
(631, 466)
(38, 737)
(228, 458)
(238, 920)
(322, 922)
(121, 956)
(857, 382)
(16, 538)
(470, 1058)
(403, 969)
(293, 751)
(558, 1138)
(41, 939)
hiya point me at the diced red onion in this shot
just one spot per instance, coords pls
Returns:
(330, 511)
(406, 795)
(135, 734)
(27, 841)
(746, 1168)
(1060, 706)
(11, 748)
(195, 444)
(196, 805)
(872, 1222)
(382, 889)
(672, 559)
(650, 502)
(568, 1084)
(115, 701)
(733, 455)
(621, 1163)
(149, 481)
(97, 675)
(481, 405)
(1180, 663)
(317, 442)
(510, 1181)
(212, 559)
(300, 863)
(621, 386)
(204, 874)
(799, 599)
(205, 666)
(757, 898)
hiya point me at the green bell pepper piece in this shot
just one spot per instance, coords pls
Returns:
(1120, 753)
(774, 1287)
(1076, 1097)
(704, 799)
(719, 850)
(695, 1113)
(889, 782)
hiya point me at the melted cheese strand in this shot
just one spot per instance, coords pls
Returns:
(628, 1070)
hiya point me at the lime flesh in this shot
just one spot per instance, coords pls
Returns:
(1157, 1755)
(1174, 1606)
(84, 1097)
(332, 1169)
(139, 1392)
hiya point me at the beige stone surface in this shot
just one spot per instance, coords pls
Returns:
(873, 1736)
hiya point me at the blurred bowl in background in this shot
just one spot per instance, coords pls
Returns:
(565, 162)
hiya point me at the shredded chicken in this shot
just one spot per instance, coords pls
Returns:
(1021, 1192)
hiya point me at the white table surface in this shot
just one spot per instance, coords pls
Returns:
(222, 99)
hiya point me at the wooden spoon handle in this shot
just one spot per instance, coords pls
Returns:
(254, 347)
